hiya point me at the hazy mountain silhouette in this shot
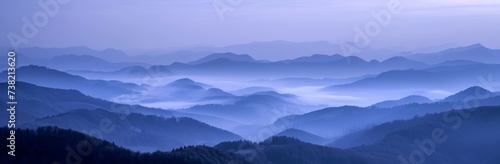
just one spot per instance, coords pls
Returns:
(81, 62)
(474, 140)
(316, 58)
(302, 67)
(230, 56)
(443, 77)
(475, 92)
(475, 52)
(283, 50)
(258, 108)
(456, 63)
(394, 79)
(250, 90)
(275, 50)
(47, 53)
(156, 71)
(47, 77)
(297, 82)
(459, 132)
(437, 48)
(320, 122)
(399, 61)
(406, 100)
(41, 102)
(140, 132)
(185, 90)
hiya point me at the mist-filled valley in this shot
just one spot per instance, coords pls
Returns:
(318, 108)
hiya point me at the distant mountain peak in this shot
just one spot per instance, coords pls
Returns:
(315, 58)
(187, 82)
(133, 68)
(397, 58)
(47, 71)
(475, 89)
(227, 55)
(474, 52)
(184, 81)
(474, 92)
(301, 135)
(403, 101)
(414, 96)
(477, 45)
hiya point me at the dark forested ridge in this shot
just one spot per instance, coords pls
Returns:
(51, 145)
(145, 133)
(472, 137)
(458, 136)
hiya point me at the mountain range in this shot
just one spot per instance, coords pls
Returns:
(442, 77)
(262, 102)
(426, 139)
(47, 77)
(146, 133)
(475, 52)
(406, 100)
(320, 122)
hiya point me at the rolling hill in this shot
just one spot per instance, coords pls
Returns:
(55, 145)
(475, 52)
(303, 136)
(47, 77)
(406, 100)
(320, 122)
(139, 132)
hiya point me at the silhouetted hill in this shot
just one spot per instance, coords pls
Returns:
(406, 100)
(186, 83)
(438, 78)
(320, 122)
(81, 62)
(141, 132)
(475, 52)
(431, 138)
(275, 50)
(316, 58)
(55, 145)
(449, 137)
(303, 136)
(475, 92)
(47, 53)
(185, 90)
(39, 102)
(393, 79)
(156, 71)
(300, 82)
(253, 89)
(456, 63)
(254, 108)
(399, 62)
(230, 56)
(437, 48)
(460, 136)
(285, 150)
(301, 67)
(47, 77)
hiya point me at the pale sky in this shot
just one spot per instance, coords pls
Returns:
(161, 24)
